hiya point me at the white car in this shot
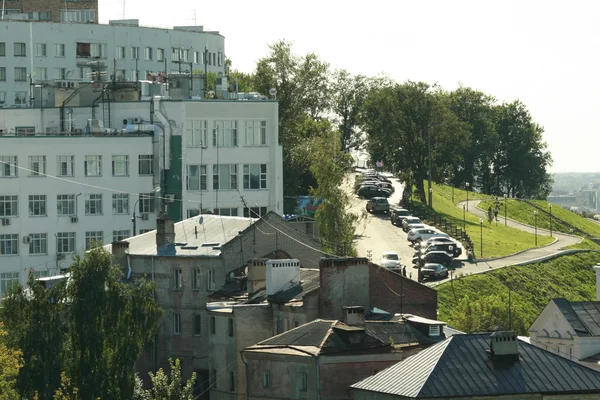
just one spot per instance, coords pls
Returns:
(390, 260)
(424, 234)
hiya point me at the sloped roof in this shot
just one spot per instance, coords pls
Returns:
(309, 281)
(460, 366)
(400, 333)
(583, 316)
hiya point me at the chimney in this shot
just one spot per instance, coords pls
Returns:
(256, 275)
(165, 235)
(343, 281)
(119, 251)
(504, 345)
(282, 275)
(354, 315)
(597, 269)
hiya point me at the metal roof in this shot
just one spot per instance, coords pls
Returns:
(311, 334)
(398, 333)
(584, 317)
(460, 366)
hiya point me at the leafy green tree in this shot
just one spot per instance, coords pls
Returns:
(11, 362)
(66, 391)
(348, 95)
(109, 323)
(245, 81)
(165, 387)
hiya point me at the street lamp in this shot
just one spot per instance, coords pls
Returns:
(464, 223)
(505, 209)
(481, 236)
(550, 205)
(143, 196)
(467, 195)
(535, 225)
(431, 198)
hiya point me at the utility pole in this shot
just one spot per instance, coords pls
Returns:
(429, 159)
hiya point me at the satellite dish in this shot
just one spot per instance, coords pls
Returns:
(272, 91)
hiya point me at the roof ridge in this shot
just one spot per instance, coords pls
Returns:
(444, 343)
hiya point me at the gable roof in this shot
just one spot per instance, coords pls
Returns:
(583, 316)
(460, 366)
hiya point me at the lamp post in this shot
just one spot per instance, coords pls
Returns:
(467, 184)
(550, 205)
(464, 219)
(505, 209)
(134, 219)
(535, 225)
(481, 236)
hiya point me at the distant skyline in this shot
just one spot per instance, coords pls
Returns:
(543, 53)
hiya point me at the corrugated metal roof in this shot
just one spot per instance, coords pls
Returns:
(311, 334)
(398, 333)
(460, 366)
(567, 311)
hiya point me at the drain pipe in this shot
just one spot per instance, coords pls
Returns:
(318, 378)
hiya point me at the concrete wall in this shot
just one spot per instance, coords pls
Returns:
(284, 372)
(291, 316)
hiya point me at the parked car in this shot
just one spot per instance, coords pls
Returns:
(450, 248)
(438, 257)
(436, 239)
(424, 233)
(367, 192)
(434, 271)
(378, 204)
(408, 221)
(391, 261)
(397, 215)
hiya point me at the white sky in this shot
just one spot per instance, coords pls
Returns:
(544, 53)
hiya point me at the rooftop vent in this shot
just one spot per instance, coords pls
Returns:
(504, 344)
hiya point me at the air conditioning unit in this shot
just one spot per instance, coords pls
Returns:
(72, 84)
(74, 220)
(144, 217)
(169, 198)
(5, 221)
(26, 239)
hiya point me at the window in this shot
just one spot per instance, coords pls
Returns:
(255, 176)
(93, 166)
(211, 279)
(40, 49)
(93, 238)
(196, 57)
(20, 98)
(120, 203)
(177, 284)
(98, 50)
(9, 206)
(231, 381)
(77, 15)
(225, 134)
(37, 165)
(2, 97)
(9, 245)
(2, 49)
(174, 54)
(213, 327)
(120, 165)
(196, 177)
(197, 329)
(256, 133)
(121, 235)
(64, 165)
(177, 324)
(134, 75)
(20, 74)
(146, 164)
(196, 275)
(60, 73)
(85, 73)
(225, 177)
(65, 204)
(148, 53)
(120, 50)
(41, 73)
(220, 59)
(37, 205)
(135, 53)
(255, 212)
(8, 166)
(20, 50)
(266, 378)
(184, 54)
(196, 133)
(434, 330)
(120, 75)
(146, 204)
(160, 54)
(59, 49)
(7, 279)
(38, 243)
(65, 242)
(230, 327)
(2, 74)
(303, 381)
(229, 212)
(40, 274)
(93, 204)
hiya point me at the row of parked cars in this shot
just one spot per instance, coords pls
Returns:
(369, 183)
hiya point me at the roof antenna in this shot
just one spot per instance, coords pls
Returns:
(509, 312)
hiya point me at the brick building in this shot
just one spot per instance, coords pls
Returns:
(54, 10)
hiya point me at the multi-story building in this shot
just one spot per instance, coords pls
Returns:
(51, 10)
(44, 53)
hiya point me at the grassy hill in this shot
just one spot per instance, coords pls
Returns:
(531, 287)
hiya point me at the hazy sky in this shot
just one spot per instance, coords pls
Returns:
(544, 53)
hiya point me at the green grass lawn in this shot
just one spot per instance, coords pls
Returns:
(532, 286)
(498, 240)
(524, 212)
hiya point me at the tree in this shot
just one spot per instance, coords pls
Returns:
(165, 387)
(10, 362)
(348, 95)
(109, 323)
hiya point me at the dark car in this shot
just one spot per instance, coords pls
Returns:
(449, 248)
(434, 271)
(397, 215)
(367, 192)
(437, 257)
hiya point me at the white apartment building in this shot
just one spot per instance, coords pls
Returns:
(44, 52)
(214, 156)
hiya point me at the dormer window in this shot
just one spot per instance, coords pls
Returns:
(434, 330)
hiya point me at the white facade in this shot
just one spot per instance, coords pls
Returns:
(48, 51)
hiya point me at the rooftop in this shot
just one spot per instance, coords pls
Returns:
(460, 366)
(584, 316)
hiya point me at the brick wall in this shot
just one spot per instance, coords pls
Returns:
(53, 6)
